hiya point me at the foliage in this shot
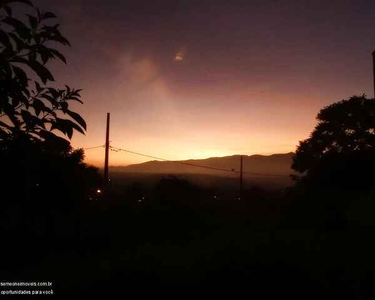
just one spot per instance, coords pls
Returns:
(45, 173)
(341, 148)
(31, 107)
(41, 174)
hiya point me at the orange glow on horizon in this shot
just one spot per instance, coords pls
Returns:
(177, 152)
(178, 127)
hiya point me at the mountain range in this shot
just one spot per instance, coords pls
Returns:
(267, 171)
(276, 164)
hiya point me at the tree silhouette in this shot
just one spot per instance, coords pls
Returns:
(41, 173)
(341, 148)
(31, 108)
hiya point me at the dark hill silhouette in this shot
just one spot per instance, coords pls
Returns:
(272, 164)
(149, 173)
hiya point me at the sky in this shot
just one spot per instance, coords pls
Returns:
(197, 79)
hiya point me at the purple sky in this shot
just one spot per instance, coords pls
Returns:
(252, 78)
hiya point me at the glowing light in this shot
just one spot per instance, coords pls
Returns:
(99, 191)
(180, 55)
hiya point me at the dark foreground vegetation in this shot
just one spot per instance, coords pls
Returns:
(318, 244)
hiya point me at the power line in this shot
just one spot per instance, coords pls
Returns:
(90, 148)
(115, 149)
(267, 174)
(172, 161)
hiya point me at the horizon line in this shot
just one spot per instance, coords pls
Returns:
(195, 159)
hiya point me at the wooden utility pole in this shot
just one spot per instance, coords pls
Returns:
(241, 178)
(106, 159)
(373, 72)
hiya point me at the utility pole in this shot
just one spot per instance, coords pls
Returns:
(241, 179)
(373, 72)
(106, 159)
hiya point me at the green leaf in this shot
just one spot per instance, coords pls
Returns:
(56, 36)
(19, 43)
(49, 15)
(50, 99)
(27, 117)
(51, 33)
(19, 60)
(38, 87)
(17, 24)
(45, 55)
(43, 73)
(50, 111)
(64, 106)
(56, 126)
(76, 99)
(74, 95)
(53, 139)
(32, 21)
(78, 128)
(64, 41)
(53, 92)
(20, 75)
(20, 27)
(38, 106)
(58, 54)
(67, 89)
(23, 99)
(76, 117)
(66, 126)
(39, 13)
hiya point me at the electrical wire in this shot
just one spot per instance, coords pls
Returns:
(116, 149)
(167, 160)
(90, 148)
